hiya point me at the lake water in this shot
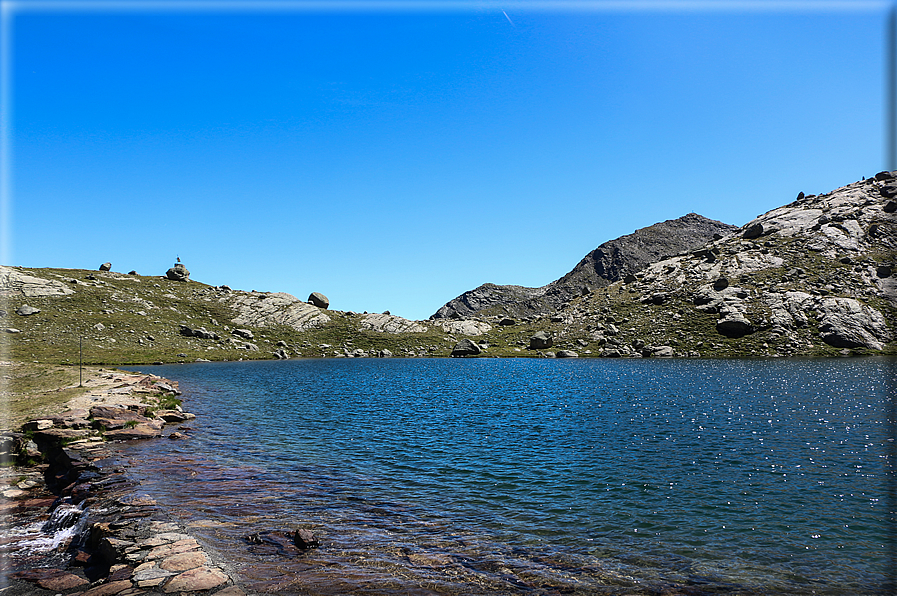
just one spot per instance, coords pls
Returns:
(497, 476)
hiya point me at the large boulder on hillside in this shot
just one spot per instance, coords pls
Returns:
(540, 341)
(178, 273)
(465, 347)
(27, 311)
(106, 267)
(734, 324)
(319, 300)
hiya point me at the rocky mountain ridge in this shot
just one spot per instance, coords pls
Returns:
(814, 277)
(610, 262)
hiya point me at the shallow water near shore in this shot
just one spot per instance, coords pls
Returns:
(434, 476)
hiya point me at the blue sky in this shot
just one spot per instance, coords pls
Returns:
(393, 156)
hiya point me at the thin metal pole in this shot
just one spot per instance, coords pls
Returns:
(80, 361)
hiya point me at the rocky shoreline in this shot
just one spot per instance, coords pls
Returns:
(76, 524)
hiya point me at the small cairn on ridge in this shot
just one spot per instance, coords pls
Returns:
(178, 272)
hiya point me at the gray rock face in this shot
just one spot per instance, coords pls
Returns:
(465, 347)
(106, 267)
(846, 323)
(15, 283)
(27, 311)
(279, 308)
(390, 324)
(178, 273)
(465, 327)
(540, 340)
(610, 262)
(319, 300)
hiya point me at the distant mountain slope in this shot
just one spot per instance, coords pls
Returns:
(608, 263)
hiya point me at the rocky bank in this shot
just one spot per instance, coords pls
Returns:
(75, 523)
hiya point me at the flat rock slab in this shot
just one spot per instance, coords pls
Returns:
(109, 589)
(201, 578)
(185, 561)
(52, 579)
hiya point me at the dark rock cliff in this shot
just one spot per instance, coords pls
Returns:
(608, 263)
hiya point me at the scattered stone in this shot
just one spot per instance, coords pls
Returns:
(384, 353)
(890, 207)
(506, 322)
(320, 300)
(281, 354)
(106, 267)
(720, 284)
(567, 354)
(132, 272)
(244, 333)
(200, 333)
(27, 311)
(540, 341)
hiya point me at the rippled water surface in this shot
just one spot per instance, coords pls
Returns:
(539, 476)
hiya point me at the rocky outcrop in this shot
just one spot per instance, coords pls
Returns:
(608, 263)
(106, 267)
(15, 283)
(386, 323)
(257, 309)
(847, 323)
(465, 327)
(808, 271)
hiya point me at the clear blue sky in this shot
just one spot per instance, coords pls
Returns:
(395, 156)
